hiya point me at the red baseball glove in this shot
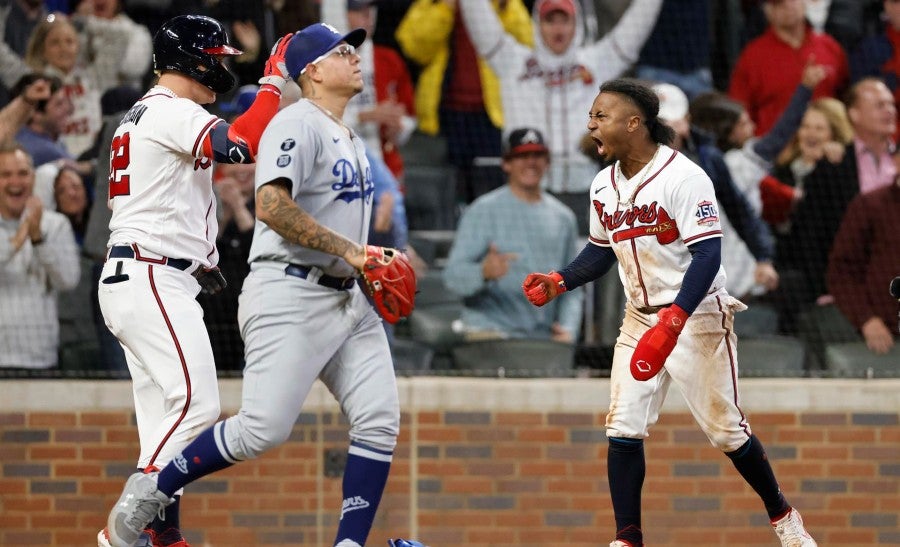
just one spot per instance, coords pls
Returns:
(391, 282)
(657, 343)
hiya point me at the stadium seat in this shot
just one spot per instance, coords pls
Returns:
(821, 325)
(756, 321)
(515, 357)
(411, 357)
(77, 357)
(433, 326)
(854, 359)
(430, 197)
(775, 356)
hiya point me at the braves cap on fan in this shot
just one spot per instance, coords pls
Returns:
(315, 41)
(523, 141)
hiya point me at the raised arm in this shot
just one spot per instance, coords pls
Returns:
(625, 40)
(497, 38)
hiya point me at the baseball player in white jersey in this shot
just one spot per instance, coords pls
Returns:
(163, 230)
(301, 313)
(654, 211)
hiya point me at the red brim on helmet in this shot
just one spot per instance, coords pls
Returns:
(222, 50)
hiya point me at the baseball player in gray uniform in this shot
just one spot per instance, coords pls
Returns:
(302, 315)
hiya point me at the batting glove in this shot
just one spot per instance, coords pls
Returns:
(542, 288)
(211, 280)
(276, 72)
(657, 343)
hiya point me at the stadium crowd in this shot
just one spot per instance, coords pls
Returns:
(789, 105)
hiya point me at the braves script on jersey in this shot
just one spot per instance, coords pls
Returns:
(330, 179)
(650, 219)
(155, 201)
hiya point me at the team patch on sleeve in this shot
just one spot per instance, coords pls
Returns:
(706, 214)
(283, 160)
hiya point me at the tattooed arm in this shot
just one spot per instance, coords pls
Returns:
(276, 208)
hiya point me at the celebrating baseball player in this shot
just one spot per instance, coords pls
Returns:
(655, 212)
(162, 249)
(301, 313)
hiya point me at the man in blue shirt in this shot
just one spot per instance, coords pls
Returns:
(504, 235)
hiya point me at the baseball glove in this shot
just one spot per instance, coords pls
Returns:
(391, 282)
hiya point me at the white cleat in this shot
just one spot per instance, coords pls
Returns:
(620, 543)
(791, 532)
(139, 503)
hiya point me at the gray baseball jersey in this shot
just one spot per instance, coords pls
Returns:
(330, 179)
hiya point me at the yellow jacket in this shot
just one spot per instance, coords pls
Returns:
(424, 36)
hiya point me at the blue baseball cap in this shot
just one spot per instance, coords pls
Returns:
(314, 41)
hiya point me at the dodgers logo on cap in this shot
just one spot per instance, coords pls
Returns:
(311, 43)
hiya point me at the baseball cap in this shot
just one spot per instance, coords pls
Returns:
(522, 141)
(549, 6)
(673, 103)
(357, 5)
(314, 41)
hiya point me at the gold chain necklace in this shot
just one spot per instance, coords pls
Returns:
(334, 118)
(647, 169)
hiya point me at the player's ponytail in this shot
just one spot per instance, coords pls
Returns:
(660, 131)
(646, 100)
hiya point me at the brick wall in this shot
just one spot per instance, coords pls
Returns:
(480, 462)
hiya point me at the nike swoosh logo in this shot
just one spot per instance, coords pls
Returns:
(335, 139)
(597, 191)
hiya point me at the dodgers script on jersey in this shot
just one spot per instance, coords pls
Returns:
(650, 219)
(330, 179)
(154, 200)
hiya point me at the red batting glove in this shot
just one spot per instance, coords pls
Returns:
(276, 73)
(542, 288)
(657, 343)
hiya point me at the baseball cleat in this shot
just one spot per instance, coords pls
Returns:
(791, 532)
(405, 543)
(139, 503)
(620, 543)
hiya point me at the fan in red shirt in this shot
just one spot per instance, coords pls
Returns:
(770, 67)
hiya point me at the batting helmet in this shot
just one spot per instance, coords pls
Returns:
(191, 44)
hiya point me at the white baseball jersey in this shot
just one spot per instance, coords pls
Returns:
(650, 219)
(160, 187)
(330, 179)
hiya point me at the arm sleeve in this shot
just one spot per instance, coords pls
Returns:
(706, 258)
(591, 263)
(769, 145)
(239, 142)
(488, 36)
